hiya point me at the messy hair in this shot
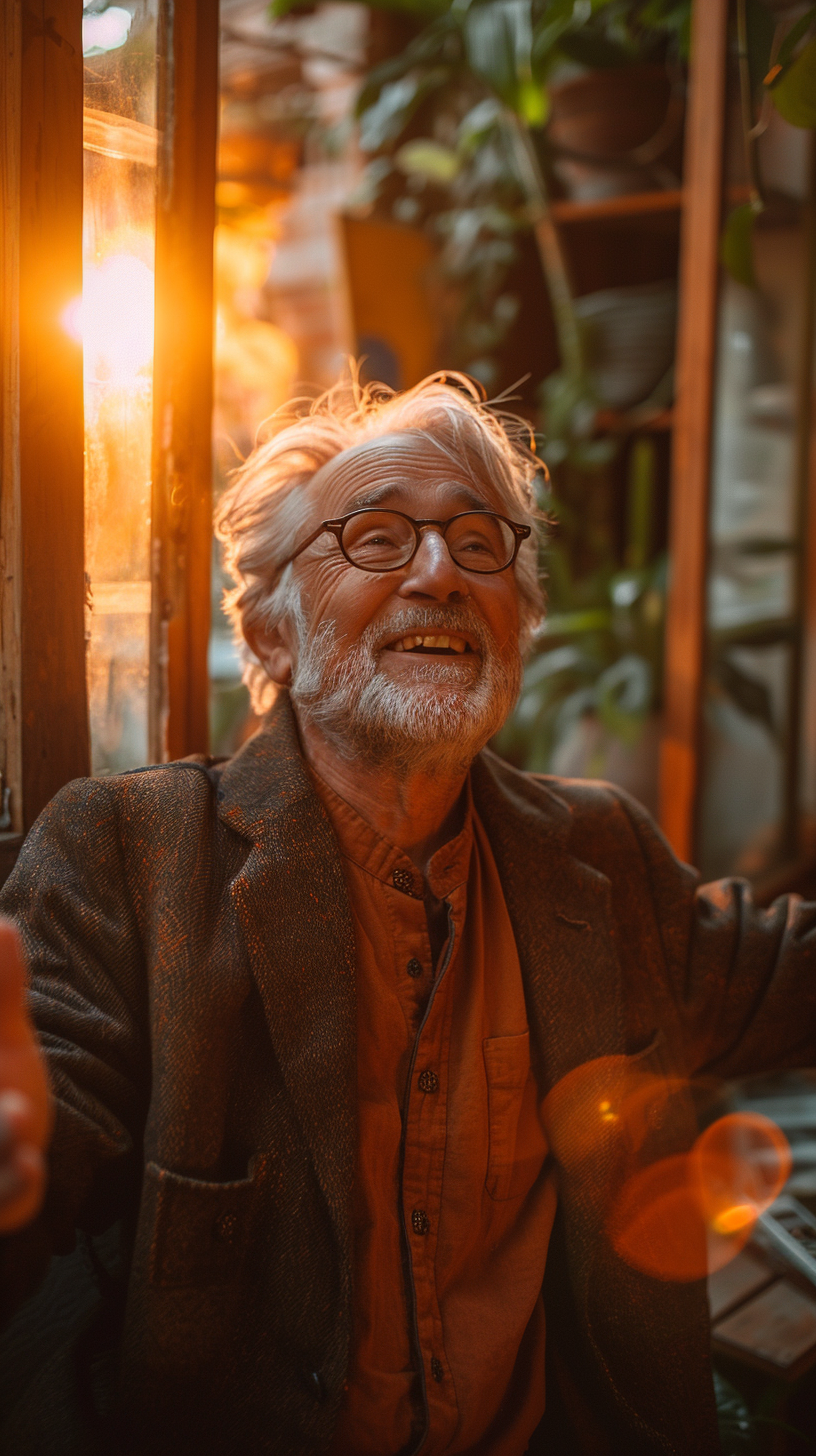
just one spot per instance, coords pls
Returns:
(261, 517)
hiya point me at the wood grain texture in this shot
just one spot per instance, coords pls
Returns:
(691, 462)
(52, 674)
(801, 756)
(807, 836)
(182, 475)
(11, 768)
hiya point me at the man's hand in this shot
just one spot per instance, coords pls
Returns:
(25, 1104)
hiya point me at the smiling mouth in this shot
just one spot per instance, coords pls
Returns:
(435, 644)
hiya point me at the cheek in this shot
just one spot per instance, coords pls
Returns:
(335, 592)
(502, 612)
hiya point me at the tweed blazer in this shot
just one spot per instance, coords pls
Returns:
(192, 975)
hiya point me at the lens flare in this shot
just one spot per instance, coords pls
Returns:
(685, 1216)
(741, 1161)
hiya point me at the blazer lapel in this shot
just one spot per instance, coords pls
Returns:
(560, 911)
(293, 907)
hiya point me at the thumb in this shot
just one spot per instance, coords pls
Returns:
(13, 1018)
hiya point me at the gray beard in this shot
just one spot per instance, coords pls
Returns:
(437, 723)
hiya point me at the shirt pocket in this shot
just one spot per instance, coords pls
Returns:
(507, 1067)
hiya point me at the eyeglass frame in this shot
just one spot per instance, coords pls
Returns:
(336, 527)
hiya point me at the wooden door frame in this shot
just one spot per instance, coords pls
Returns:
(691, 450)
(44, 719)
(183, 382)
(44, 731)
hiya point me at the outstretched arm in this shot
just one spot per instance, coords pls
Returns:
(743, 978)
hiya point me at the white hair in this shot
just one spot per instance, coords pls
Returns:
(261, 516)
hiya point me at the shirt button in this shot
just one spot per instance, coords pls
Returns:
(437, 1370)
(414, 967)
(428, 1082)
(420, 1222)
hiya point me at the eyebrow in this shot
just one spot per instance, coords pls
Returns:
(380, 493)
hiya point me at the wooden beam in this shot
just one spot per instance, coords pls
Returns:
(804, 776)
(182, 475)
(52, 590)
(11, 766)
(691, 459)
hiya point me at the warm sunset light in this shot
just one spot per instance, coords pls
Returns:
(113, 320)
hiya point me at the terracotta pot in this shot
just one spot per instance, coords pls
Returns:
(616, 130)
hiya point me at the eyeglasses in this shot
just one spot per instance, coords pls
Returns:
(478, 541)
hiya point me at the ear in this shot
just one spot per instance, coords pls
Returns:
(274, 652)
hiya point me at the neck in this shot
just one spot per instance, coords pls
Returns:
(418, 812)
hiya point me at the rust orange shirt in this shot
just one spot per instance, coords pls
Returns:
(454, 1197)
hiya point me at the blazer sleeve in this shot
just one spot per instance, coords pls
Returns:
(69, 897)
(743, 978)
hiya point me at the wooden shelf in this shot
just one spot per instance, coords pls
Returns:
(639, 418)
(632, 204)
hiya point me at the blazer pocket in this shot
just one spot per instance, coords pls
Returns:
(199, 1229)
(507, 1067)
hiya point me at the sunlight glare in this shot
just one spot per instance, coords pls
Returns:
(113, 320)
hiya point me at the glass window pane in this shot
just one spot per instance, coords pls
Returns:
(754, 611)
(115, 321)
(745, 732)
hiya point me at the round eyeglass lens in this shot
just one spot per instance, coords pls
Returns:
(480, 542)
(378, 540)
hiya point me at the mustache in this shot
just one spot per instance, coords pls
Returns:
(417, 619)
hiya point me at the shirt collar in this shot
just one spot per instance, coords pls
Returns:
(377, 856)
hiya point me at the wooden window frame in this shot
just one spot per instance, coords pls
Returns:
(44, 735)
(685, 653)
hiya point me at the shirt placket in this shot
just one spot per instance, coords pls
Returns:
(425, 1130)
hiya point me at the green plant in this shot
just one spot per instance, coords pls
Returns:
(454, 125)
(777, 68)
(600, 652)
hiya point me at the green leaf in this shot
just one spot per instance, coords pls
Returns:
(482, 119)
(387, 117)
(498, 41)
(533, 103)
(547, 32)
(794, 94)
(429, 8)
(426, 52)
(571, 624)
(426, 158)
(796, 33)
(737, 245)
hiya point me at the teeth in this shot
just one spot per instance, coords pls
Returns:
(440, 639)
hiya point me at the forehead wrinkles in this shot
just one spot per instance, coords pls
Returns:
(397, 460)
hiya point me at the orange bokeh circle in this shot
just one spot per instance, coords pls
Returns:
(685, 1216)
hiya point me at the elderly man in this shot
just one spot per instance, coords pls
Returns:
(309, 1016)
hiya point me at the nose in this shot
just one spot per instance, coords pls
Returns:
(433, 573)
